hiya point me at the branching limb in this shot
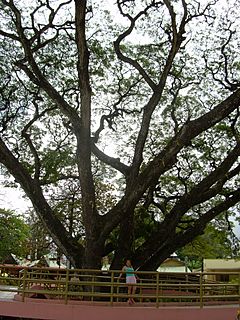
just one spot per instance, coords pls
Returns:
(224, 81)
(9, 35)
(154, 100)
(28, 139)
(209, 187)
(166, 159)
(117, 44)
(161, 243)
(34, 73)
(47, 216)
(109, 118)
(113, 162)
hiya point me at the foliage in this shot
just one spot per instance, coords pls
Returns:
(14, 233)
(39, 242)
(214, 244)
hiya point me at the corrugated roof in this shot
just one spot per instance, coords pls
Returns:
(220, 264)
(173, 269)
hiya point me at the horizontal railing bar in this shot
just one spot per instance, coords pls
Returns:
(99, 295)
(114, 271)
(9, 290)
(123, 284)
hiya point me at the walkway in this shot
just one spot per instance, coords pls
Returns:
(7, 295)
(38, 310)
(47, 309)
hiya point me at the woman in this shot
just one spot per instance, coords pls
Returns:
(131, 279)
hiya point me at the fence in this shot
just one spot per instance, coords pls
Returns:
(105, 286)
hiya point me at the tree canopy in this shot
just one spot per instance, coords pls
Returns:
(110, 122)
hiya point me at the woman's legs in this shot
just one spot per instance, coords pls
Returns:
(131, 291)
(131, 282)
(129, 294)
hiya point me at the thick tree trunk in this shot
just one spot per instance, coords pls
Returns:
(92, 255)
(91, 219)
(124, 248)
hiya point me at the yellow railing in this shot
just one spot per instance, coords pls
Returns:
(105, 286)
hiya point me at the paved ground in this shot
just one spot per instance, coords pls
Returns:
(40, 310)
(46, 309)
(9, 294)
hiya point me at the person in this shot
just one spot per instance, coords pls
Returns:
(131, 279)
(238, 315)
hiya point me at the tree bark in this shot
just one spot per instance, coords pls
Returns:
(124, 249)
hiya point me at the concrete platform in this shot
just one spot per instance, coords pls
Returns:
(43, 310)
(11, 305)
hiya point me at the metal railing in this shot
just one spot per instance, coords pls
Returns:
(154, 288)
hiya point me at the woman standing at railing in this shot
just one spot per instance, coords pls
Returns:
(131, 279)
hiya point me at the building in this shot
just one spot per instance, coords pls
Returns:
(225, 270)
(173, 264)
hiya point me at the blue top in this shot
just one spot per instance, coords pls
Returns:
(129, 271)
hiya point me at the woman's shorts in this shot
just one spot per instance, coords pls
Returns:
(131, 279)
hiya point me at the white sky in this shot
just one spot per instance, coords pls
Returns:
(12, 199)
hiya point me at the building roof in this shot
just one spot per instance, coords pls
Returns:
(173, 269)
(221, 264)
(173, 264)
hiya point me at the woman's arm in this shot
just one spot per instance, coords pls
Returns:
(123, 269)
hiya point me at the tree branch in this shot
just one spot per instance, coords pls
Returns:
(163, 243)
(165, 160)
(113, 162)
(121, 37)
(27, 137)
(154, 100)
(47, 216)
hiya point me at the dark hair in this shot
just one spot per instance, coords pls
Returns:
(127, 259)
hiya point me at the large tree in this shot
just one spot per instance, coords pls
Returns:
(159, 86)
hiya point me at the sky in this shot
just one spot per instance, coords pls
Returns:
(12, 199)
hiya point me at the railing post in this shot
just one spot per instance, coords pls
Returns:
(19, 281)
(157, 291)
(112, 287)
(93, 280)
(141, 296)
(66, 286)
(201, 289)
(239, 289)
(118, 286)
(24, 284)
